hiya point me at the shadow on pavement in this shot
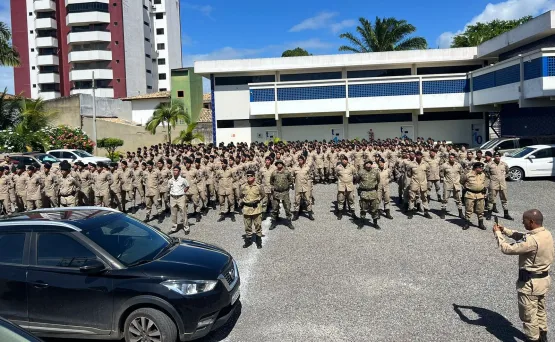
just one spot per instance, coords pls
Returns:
(495, 324)
(225, 330)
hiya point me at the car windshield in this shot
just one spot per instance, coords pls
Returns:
(126, 239)
(489, 144)
(46, 158)
(82, 154)
(521, 152)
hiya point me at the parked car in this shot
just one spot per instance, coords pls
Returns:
(531, 161)
(30, 158)
(11, 332)
(91, 272)
(510, 144)
(72, 156)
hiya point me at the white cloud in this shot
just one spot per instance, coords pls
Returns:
(337, 27)
(204, 9)
(507, 10)
(186, 40)
(310, 44)
(319, 21)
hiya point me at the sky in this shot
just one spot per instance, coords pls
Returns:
(223, 29)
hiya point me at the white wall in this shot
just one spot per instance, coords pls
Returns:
(384, 103)
(318, 132)
(457, 131)
(312, 106)
(142, 110)
(232, 102)
(505, 93)
(446, 100)
(382, 130)
(242, 134)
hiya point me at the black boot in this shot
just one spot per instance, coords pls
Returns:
(296, 216)
(410, 214)
(439, 198)
(339, 214)
(429, 198)
(529, 340)
(466, 225)
(160, 218)
(248, 242)
(258, 242)
(419, 207)
(311, 216)
(506, 215)
(274, 224)
(147, 218)
(543, 336)
(427, 214)
(405, 208)
(222, 217)
(481, 225)
(376, 225)
(388, 214)
(443, 212)
(232, 217)
(360, 222)
(488, 215)
(290, 224)
(495, 208)
(198, 215)
(461, 214)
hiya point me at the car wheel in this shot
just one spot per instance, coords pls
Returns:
(516, 173)
(146, 325)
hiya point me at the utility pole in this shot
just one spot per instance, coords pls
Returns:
(94, 114)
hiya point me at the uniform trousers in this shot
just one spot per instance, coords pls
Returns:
(413, 196)
(165, 199)
(448, 192)
(20, 202)
(150, 201)
(267, 199)
(178, 206)
(349, 196)
(34, 204)
(283, 197)
(383, 195)
(102, 199)
(117, 199)
(193, 197)
(532, 313)
(370, 205)
(5, 205)
(474, 204)
(68, 201)
(50, 201)
(493, 195)
(253, 225)
(434, 184)
(300, 195)
(229, 197)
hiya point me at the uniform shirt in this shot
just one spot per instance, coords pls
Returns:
(369, 183)
(345, 176)
(5, 187)
(418, 172)
(51, 186)
(102, 183)
(535, 254)
(303, 176)
(385, 177)
(497, 174)
(177, 186)
(117, 180)
(128, 177)
(68, 186)
(451, 175)
(192, 177)
(475, 183)
(264, 178)
(281, 180)
(34, 187)
(224, 179)
(21, 183)
(86, 180)
(251, 193)
(151, 181)
(433, 171)
(165, 175)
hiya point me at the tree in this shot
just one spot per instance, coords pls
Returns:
(166, 114)
(478, 33)
(298, 52)
(9, 111)
(34, 115)
(387, 34)
(187, 135)
(8, 55)
(110, 145)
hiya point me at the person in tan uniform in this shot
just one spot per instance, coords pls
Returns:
(210, 168)
(474, 194)
(202, 176)
(178, 187)
(264, 175)
(433, 174)
(102, 184)
(226, 195)
(165, 175)
(192, 195)
(251, 199)
(450, 174)
(69, 186)
(85, 194)
(127, 184)
(115, 187)
(5, 188)
(535, 255)
(51, 187)
(303, 188)
(418, 187)
(386, 177)
(138, 184)
(34, 186)
(345, 186)
(20, 180)
(497, 171)
(151, 182)
(319, 163)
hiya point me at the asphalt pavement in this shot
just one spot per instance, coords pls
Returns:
(413, 280)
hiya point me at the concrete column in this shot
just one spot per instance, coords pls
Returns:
(413, 70)
(344, 73)
(415, 123)
(346, 127)
(278, 126)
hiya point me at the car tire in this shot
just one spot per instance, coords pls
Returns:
(149, 322)
(515, 174)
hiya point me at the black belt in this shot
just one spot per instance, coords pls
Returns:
(474, 191)
(176, 195)
(286, 190)
(525, 275)
(365, 189)
(252, 204)
(67, 195)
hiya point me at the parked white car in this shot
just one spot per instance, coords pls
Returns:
(73, 156)
(531, 161)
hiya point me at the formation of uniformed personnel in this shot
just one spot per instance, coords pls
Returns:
(251, 196)
(535, 252)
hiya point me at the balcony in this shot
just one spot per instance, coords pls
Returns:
(45, 24)
(89, 56)
(48, 60)
(71, 2)
(49, 78)
(49, 95)
(85, 75)
(43, 42)
(92, 36)
(99, 92)
(85, 18)
(44, 5)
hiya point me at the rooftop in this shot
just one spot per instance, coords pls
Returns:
(207, 97)
(205, 115)
(157, 95)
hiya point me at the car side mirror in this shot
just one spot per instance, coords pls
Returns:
(92, 266)
(531, 157)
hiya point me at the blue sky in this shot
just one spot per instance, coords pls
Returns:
(223, 29)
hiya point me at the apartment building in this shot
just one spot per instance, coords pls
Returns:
(129, 46)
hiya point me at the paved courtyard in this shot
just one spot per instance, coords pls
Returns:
(414, 280)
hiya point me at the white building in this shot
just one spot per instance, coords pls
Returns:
(440, 93)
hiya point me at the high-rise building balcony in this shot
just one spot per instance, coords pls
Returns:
(49, 95)
(48, 60)
(42, 42)
(87, 74)
(84, 18)
(49, 78)
(45, 24)
(99, 92)
(72, 2)
(89, 56)
(86, 37)
(44, 5)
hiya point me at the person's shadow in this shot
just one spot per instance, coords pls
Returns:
(495, 324)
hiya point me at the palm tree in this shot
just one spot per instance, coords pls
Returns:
(34, 114)
(187, 135)
(9, 110)
(166, 114)
(8, 55)
(387, 34)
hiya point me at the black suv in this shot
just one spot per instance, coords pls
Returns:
(92, 272)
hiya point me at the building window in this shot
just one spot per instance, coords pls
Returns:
(159, 15)
(147, 55)
(34, 85)
(310, 121)
(33, 68)
(117, 61)
(30, 14)
(147, 40)
(311, 76)
(161, 46)
(87, 7)
(163, 89)
(455, 69)
(159, 31)
(237, 80)
(32, 50)
(161, 61)
(146, 8)
(148, 71)
(147, 24)
(378, 73)
(162, 76)
(180, 93)
(31, 32)
(149, 87)
(115, 23)
(157, 2)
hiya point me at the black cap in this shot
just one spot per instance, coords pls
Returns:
(124, 162)
(150, 162)
(279, 161)
(489, 154)
(479, 151)
(302, 157)
(31, 168)
(92, 164)
(113, 164)
(65, 167)
(177, 167)
(268, 158)
(100, 164)
(250, 173)
(47, 165)
(418, 153)
(197, 160)
(478, 165)
(497, 154)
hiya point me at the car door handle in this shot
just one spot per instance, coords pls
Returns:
(40, 285)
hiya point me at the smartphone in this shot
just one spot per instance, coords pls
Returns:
(496, 220)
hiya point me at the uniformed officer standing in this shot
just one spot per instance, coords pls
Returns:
(20, 180)
(450, 174)
(178, 186)
(192, 195)
(69, 187)
(474, 194)
(303, 188)
(138, 184)
(51, 187)
(5, 188)
(497, 172)
(251, 198)
(151, 181)
(126, 184)
(165, 175)
(369, 179)
(418, 187)
(345, 186)
(433, 174)
(103, 181)
(383, 190)
(535, 256)
(34, 186)
(264, 178)
(226, 195)
(281, 181)
(115, 187)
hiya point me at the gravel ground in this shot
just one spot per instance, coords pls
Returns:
(417, 280)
